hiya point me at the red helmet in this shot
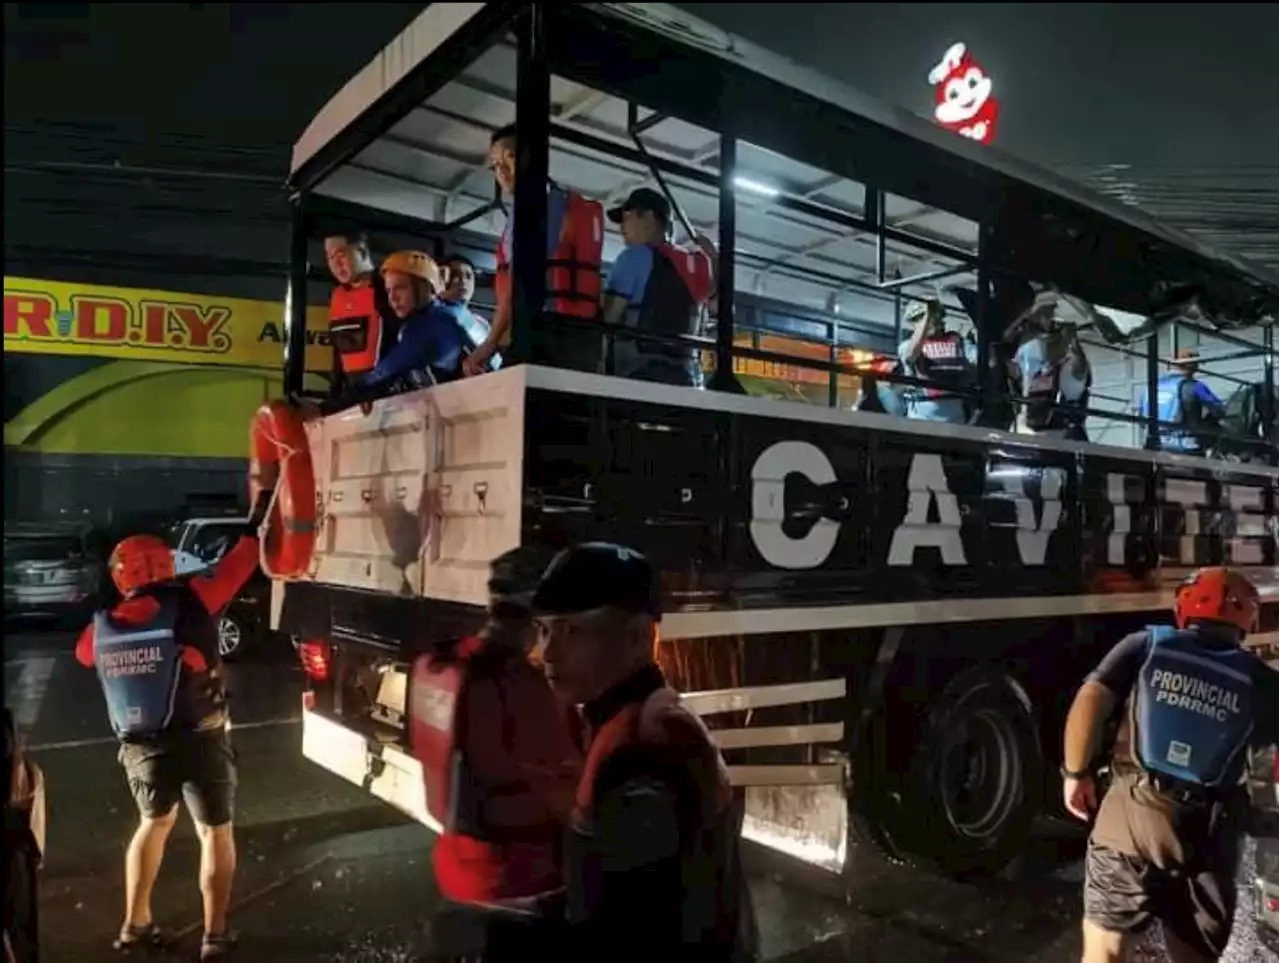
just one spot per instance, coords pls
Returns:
(1217, 595)
(139, 561)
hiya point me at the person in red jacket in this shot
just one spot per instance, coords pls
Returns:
(652, 867)
(500, 760)
(156, 654)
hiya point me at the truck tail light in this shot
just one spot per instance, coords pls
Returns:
(317, 659)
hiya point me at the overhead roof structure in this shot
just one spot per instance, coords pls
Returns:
(409, 135)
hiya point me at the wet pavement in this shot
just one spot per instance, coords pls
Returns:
(328, 874)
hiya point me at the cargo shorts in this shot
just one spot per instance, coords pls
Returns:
(1125, 894)
(199, 767)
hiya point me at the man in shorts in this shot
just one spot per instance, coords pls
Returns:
(156, 654)
(1166, 839)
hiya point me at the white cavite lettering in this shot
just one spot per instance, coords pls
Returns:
(1121, 518)
(927, 483)
(1192, 496)
(768, 507)
(1243, 547)
(1033, 539)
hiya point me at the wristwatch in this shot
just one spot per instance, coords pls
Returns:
(1068, 774)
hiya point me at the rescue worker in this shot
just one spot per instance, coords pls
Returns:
(362, 327)
(941, 357)
(1187, 402)
(1165, 841)
(575, 244)
(652, 866)
(459, 288)
(657, 288)
(500, 772)
(24, 815)
(1053, 375)
(156, 654)
(429, 345)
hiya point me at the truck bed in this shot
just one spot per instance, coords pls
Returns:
(755, 511)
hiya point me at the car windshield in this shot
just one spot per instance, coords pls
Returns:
(41, 549)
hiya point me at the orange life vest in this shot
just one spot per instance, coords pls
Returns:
(573, 266)
(356, 327)
(500, 841)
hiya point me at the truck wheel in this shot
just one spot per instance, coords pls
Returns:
(974, 778)
(875, 796)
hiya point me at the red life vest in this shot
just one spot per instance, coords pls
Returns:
(503, 823)
(674, 739)
(573, 267)
(943, 360)
(356, 328)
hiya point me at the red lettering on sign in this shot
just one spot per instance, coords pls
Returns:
(204, 328)
(27, 315)
(154, 320)
(100, 319)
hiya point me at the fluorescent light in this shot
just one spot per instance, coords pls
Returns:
(755, 187)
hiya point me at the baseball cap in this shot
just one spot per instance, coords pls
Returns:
(514, 575)
(598, 574)
(643, 199)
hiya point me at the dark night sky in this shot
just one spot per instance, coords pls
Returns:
(1186, 92)
(1080, 83)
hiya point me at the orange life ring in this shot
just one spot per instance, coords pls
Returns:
(278, 440)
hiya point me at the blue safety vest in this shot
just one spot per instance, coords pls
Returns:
(1169, 409)
(1192, 709)
(139, 667)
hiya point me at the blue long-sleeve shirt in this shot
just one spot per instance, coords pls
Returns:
(429, 338)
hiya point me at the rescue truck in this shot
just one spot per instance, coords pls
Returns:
(882, 619)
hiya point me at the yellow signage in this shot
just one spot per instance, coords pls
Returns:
(54, 317)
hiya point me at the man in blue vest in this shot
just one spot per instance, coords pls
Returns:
(1165, 840)
(156, 654)
(1184, 400)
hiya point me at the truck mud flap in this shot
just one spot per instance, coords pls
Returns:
(800, 811)
(381, 769)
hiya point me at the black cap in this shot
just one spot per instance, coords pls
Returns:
(643, 199)
(595, 575)
(514, 576)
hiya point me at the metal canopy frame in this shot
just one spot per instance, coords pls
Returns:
(1026, 229)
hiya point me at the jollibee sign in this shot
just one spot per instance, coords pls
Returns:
(964, 96)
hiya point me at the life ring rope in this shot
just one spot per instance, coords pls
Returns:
(266, 428)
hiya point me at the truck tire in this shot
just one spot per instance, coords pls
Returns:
(973, 783)
(875, 796)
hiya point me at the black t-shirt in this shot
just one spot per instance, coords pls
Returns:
(1119, 669)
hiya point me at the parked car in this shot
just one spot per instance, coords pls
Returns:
(198, 545)
(50, 569)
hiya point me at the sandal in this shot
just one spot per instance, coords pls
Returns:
(217, 946)
(139, 937)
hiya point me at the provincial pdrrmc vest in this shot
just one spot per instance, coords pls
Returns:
(356, 327)
(1192, 709)
(139, 667)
